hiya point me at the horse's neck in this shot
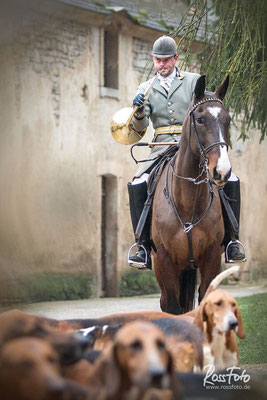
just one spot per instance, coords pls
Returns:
(187, 165)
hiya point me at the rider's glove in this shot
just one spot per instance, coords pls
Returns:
(139, 102)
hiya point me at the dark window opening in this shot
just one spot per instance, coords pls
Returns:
(111, 64)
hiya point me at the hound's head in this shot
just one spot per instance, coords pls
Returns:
(221, 313)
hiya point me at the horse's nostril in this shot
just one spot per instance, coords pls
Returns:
(216, 175)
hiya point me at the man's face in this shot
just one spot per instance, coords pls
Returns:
(164, 66)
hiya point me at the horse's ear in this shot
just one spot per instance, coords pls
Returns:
(200, 87)
(222, 89)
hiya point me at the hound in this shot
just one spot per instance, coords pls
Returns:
(136, 364)
(219, 317)
(30, 370)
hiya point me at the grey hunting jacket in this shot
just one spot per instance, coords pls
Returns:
(165, 109)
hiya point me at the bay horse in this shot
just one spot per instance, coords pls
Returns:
(187, 225)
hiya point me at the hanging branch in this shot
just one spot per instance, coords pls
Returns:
(231, 35)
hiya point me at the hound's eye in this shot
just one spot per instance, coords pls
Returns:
(52, 360)
(160, 344)
(233, 305)
(219, 303)
(200, 121)
(27, 364)
(136, 345)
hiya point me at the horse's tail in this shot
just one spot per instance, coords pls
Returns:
(187, 288)
(188, 280)
(219, 278)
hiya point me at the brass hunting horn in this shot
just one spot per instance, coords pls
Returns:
(120, 126)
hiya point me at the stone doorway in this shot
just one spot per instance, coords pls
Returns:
(109, 236)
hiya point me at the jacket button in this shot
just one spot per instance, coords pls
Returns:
(172, 119)
(170, 111)
(169, 103)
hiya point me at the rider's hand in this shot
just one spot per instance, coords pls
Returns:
(139, 101)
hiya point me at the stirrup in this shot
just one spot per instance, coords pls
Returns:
(135, 264)
(227, 260)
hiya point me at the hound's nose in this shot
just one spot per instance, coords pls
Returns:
(233, 324)
(157, 374)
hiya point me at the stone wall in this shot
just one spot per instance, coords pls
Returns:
(249, 162)
(56, 147)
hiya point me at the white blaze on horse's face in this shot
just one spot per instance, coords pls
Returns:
(223, 167)
(214, 111)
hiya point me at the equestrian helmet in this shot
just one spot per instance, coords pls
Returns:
(164, 47)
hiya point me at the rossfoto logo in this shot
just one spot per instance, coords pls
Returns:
(233, 378)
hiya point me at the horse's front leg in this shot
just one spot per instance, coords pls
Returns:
(209, 269)
(167, 275)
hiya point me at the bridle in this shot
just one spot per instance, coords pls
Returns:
(203, 151)
(187, 226)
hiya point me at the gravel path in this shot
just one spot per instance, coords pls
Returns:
(92, 308)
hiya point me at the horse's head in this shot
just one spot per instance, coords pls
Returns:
(210, 122)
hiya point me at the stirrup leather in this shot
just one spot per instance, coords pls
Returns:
(227, 260)
(135, 264)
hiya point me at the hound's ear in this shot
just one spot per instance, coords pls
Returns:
(111, 372)
(222, 89)
(200, 87)
(201, 316)
(175, 384)
(240, 328)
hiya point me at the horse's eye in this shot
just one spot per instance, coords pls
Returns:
(200, 121)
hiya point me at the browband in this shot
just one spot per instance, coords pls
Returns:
(204, 101)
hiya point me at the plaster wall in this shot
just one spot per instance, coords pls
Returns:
(56, 145)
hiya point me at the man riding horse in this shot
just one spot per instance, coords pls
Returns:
(166, 106)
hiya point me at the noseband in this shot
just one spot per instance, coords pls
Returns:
(203, 150)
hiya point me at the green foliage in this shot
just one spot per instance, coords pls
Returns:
(165, 25)
(233, 36)
(139, 19)
(134, 283)
(46, 287)
(252, 349)
(144, 13)
(99, 3)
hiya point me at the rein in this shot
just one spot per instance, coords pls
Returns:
(188, 225)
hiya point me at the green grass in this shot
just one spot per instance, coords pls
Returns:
(253, 349)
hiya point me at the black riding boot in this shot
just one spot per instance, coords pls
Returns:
(137, 198)
(232, 191)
